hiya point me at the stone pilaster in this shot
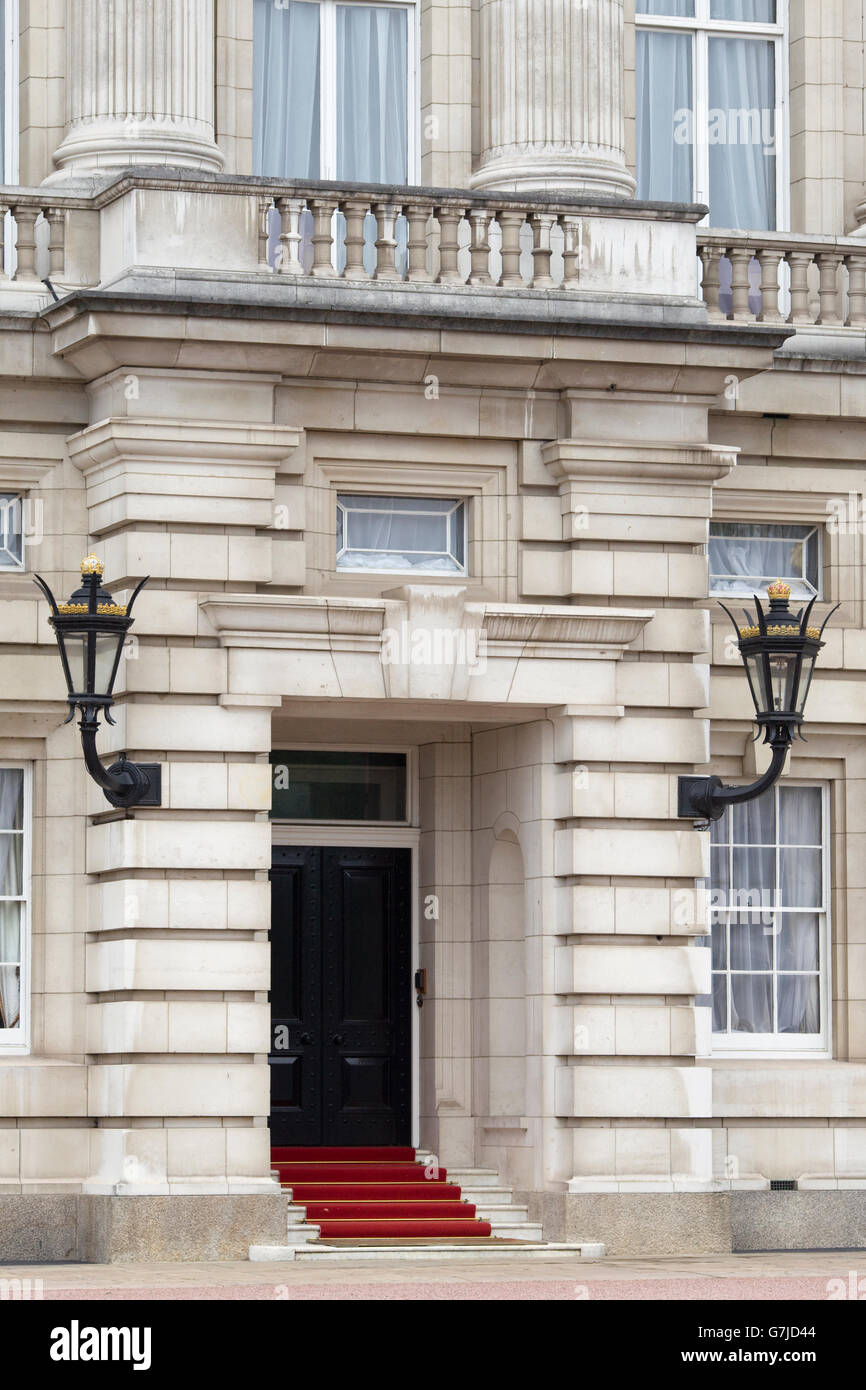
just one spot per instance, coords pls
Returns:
(552, 97)
(139, 85)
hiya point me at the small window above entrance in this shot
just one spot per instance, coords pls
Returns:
(338, 786)
(423, 535)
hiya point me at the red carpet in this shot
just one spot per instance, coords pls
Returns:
(375, 1192)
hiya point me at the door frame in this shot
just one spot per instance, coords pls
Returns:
(363, 835)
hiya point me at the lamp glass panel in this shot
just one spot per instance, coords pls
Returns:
(806, 673)
(783, 674)
(75, 645)
(106, 651)
(756, 670)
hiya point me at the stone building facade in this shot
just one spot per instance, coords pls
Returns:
(395, 344)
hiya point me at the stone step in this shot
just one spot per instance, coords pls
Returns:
(499, 1196)
(516, 1230)
(500, 1211)
(474, 1177)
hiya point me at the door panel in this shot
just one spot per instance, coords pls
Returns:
(341, 996)
(296, 991)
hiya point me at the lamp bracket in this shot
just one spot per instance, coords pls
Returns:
(705, 799)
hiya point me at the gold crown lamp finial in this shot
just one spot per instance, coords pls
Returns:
(91, 564)
(779, 590)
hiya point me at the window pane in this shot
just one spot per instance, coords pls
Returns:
(11, 527)
(754, 877)
(372, 54)
(799, 1004)
(11, 865)
(286, 97)
(754, 822)
(720, 946)
(742, 133)
(749, 11)
(10, 933)
(801, 882)
(746, 558)
(751, 1003)
(682, 8)
(11, 798)
(720, 1004)
(798, 943)
(339, 786)
(10, 996)
(751, 945)
(720, 883)
(400, 533)
(800, 815)
(665, 120)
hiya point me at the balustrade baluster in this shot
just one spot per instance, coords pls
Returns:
(856, 266)
(572, 250)
(449, 219)
(290, 210)
(829, 293)
(386, 242)
(479, 247)
(542, 250)
(25, 222)
(266, 202)
(511, 225)
(711, 284)
(418, 217)
(800, 261)
(770, 261)
(323, 236)
(355, 212)
(741, 258)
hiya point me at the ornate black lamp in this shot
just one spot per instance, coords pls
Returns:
(90, 630)
(779, 651)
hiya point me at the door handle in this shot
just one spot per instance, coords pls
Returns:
(305, 1039)
(338, 1040)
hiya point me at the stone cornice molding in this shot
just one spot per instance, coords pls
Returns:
(571, 460)
(356, 624)
(192, 442)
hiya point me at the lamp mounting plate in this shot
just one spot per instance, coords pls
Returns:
(151, 796)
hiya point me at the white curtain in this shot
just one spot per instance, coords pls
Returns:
(749, 557)
(11, 885)
(747, 11)
(771, 991)
(683, 9)
(801, 885)
(399, 534)
(742, 132)
(665, 123)
(286, 101)
(372, 98)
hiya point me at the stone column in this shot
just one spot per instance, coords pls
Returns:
(139, 85)
(552, 97)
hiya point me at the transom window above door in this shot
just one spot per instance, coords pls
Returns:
(711, 108)
(334, 90)
(337, 785)
(424, 535)
(745, 558)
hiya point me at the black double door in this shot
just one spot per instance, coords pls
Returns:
(341, 996)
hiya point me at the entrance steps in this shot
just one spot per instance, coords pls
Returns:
(398, 1203)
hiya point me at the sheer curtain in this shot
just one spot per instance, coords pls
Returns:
(801, 886)
(753, 559)
(753, 880)
(382, 533)
(665, 119)
(372, 73)
(11, 885)
(286, 100)
(742, 150)
(747, 11)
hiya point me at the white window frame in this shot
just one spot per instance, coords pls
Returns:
(794, 1046)
(368, 827)
(747, 589)
(21, 501)
(10, 111)
(460, 571)
(16, 1041)
(328, 83)
(702, 28)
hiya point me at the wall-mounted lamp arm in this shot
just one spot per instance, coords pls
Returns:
(707, 798)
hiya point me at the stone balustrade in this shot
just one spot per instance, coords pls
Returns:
(780, 277)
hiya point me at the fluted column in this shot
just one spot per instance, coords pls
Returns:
(139, 85)
(552, 96)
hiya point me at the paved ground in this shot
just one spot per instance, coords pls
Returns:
(819, 1276)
